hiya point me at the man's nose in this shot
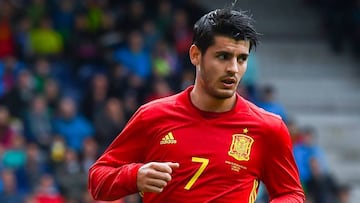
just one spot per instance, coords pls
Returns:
(233, 66)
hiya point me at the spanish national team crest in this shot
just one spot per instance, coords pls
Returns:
(241, 147)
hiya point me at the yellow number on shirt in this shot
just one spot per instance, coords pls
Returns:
(204, 163)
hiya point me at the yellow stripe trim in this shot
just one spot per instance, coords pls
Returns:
(253, 193)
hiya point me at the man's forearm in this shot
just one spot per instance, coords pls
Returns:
(108, 183)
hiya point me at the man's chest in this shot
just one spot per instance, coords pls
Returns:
(223, 149)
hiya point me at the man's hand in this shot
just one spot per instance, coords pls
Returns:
(154, 176)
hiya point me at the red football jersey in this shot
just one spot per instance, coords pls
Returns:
(222, 156)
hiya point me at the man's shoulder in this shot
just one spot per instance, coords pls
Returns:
(272, 125)
(162, 104)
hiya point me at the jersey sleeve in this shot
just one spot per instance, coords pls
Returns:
(280, 174)
(114, 174)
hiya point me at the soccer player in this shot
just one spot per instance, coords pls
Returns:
(207, 143)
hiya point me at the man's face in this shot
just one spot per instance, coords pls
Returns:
(221, 67)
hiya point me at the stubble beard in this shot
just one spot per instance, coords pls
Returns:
(219, 94)
(212, 89)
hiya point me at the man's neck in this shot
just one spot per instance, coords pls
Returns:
(208, 103)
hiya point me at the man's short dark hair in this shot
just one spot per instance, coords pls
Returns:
(224, 22)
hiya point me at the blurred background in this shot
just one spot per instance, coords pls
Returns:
(73, 72)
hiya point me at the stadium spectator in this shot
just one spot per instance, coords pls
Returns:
(10, 192)
(22, 37)
(109, 37)
(180, 35)
(160, 89)
(18, 99)
(71, 177)
(137, 87)
(52, 95)
(83, 46)
(64, 18)
(45, 40)
(35, 166)
(7, 37)
(109, 122)
(343, 193)
(118, 83)
(306, 150)
(151, 35)
(90, 153)
(134, 56)
(37, 123)
(57, 151)
(7, 134)
(294, 131)
(187, 78)
(47, 191)
(73, 127)
(321, 187)
(266, 100)
(164, 16)
(131, 103)
(96, 96)
(165, 63)
(42, 73)
(10, 68)
(15, 157)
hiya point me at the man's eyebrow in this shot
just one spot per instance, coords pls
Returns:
(230, 53)
(243, 54)
(223, 52)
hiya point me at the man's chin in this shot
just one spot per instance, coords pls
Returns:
(224, 93)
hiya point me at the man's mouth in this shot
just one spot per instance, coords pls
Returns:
(229, 81)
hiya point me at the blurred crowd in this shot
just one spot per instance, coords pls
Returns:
(341, 23)
(72, 74)
(319, 184)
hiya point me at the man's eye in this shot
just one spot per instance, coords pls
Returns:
(242, 58)
(222, 57)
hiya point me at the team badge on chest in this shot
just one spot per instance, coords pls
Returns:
(240, 147)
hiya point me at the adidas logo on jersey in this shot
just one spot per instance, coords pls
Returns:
(168, 139)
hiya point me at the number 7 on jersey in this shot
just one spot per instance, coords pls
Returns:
(204, 162)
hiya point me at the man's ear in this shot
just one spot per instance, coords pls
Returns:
(195, 55)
